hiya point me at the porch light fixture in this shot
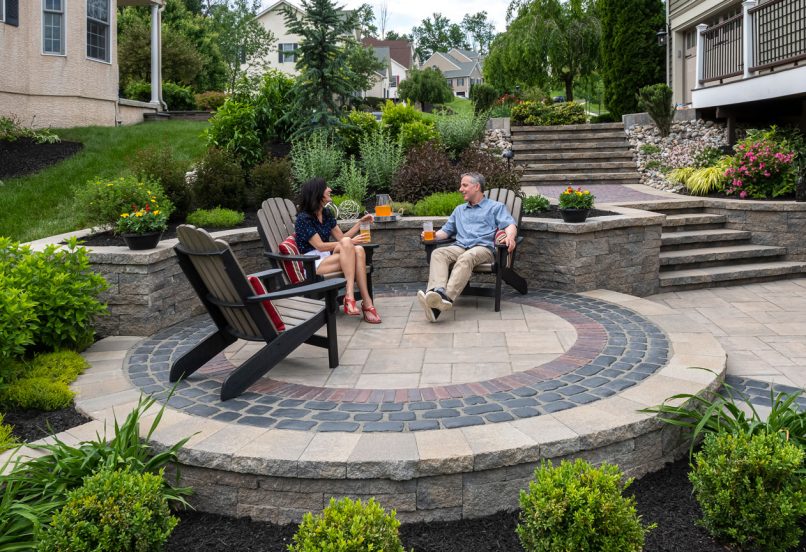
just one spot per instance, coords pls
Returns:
(663, 35)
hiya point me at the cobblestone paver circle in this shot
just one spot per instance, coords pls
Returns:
(615, 349)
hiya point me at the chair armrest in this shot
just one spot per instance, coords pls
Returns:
(270, 273)
(281, 257)
(319, 287)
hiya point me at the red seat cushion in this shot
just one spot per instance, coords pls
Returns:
(294, 270)
(274, 316)
(500, 236)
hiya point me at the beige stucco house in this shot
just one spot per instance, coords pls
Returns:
(398, 56)
(60, 65)
(273, 20)
(739, 60)
(461, 68)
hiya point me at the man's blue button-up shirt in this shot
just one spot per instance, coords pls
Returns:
(473, 225)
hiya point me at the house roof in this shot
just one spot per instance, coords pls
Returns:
(469, 54)
(279, 4)
(399, 50)
(464, 70)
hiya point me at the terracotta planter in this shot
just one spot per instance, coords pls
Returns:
(574, 215)
(149, 240)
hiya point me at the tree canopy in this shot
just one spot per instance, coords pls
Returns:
(426, 86)
(631, 56)
(550, 42)
(437, 35)
(480, 31)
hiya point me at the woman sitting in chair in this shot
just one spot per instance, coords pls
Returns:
(314, 227)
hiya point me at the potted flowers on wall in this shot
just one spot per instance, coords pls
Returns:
(142, 228)
(575, 204)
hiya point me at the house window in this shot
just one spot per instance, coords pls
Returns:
(394, 81)
(53, 26)
(10, 12)
(287, 54)
(460, 82)
(450, 82)
(98, 29)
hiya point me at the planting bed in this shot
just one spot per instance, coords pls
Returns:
(25, 156)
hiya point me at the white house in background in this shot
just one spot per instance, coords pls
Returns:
(398, 55)
(273, 19)
(461, 68)
(60, 66)
(739, 60)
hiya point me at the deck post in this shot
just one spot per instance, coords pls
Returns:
(701, 28)
(747, 36)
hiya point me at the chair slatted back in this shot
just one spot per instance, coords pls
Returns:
(224, 281)
(509, 198)
(276, 218)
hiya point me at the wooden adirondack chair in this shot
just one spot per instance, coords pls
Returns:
(241, 313)
(276, 219)
(503, 264)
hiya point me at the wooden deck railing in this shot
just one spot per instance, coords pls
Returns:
(779, 33)
(722, 51)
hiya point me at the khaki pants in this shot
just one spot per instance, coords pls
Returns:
(463, 261)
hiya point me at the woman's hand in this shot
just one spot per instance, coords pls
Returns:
(367, 218)
(359, 239)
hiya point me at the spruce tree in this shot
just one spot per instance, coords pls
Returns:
(631, 56)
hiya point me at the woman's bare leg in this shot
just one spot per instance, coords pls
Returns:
(361, 275)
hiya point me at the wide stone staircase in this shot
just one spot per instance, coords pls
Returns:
(583, 155)
(697, 251)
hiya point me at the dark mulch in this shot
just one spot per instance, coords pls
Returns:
(24, 156)
(30, 425)
(105, 239)
(554, 213)
(663, 497)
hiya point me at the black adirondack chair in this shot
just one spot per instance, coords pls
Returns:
(238, 312)
(276, 219)
(503, 263)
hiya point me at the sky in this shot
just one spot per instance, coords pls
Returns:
(405, 14)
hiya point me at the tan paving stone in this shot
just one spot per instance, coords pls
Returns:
(274, 452)
(217, 449)
(427, 340)
(469, 372)
(421, 326)
(392, 455)
(388, 381)
(467, 354)
(344, 376)
(553, 437)
(443, 452)
(377, 339)
(391, 361)
(435, 374)
(326, 455)
(507, 326)
(489, 339)
(524, 343)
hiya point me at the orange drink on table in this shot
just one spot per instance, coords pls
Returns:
(383, 206)
(428, 231)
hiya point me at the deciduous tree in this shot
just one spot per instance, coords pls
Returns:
(480, 31)
(426, 86)
(437, 35)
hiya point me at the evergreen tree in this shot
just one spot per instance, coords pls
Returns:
(631, 56)
(322, 61)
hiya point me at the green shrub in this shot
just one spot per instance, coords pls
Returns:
(751, 489)
(113, 511)
(495, 169)
(440, 204)
(11, 130)
(539, 114)
(210, 100)
(34, 490)
(427, 170)
(653, 165)
(575, 506)
(722, 413)
(59, 282)
(159, 164)
(138, 90)
(315, 157)
(394, 116)
(218, 182)
(427, 86)
(605, 118)
(535, 204)
(352, 182)
(457, 132)
(348, 526)
(18, 321)
(60, 366)
(381, 157)
(7, 440)
(102, 201)
(277, 118)
(178, 97)
(649, 149)
(501, 110)
(215, 218)
(656, 99)
(700, 181)
(233, 128)
(707, 157)
(404, 208)
(357, 125)
(38, 393)
(271, 178)
(416, 133)
(483, 96)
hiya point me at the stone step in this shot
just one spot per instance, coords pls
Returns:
(515, 129)
(581, 179)
(566, 157)
(615, 145)
(681, 220)
(568, 136)
(703, 237)
(558, 168)
(721, 254)
(733, 273)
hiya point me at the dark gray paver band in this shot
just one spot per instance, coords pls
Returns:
(615, 349)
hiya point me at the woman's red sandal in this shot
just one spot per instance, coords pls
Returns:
(371, 310)
(350, 308)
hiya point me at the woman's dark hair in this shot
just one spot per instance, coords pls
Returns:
(311, 194)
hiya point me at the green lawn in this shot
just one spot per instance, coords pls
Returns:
(41, 204)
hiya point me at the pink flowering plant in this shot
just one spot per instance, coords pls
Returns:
(761, 168)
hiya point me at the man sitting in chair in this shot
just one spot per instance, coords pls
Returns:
(473, 225)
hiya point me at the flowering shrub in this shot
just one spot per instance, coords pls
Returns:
(142, 220)
(761, 168)
(102, 201)
(576, 199)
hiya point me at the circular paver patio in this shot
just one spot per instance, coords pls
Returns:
(543, 353)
